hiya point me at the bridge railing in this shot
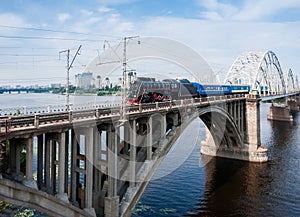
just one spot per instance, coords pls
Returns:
(64, 117)
(29, 110)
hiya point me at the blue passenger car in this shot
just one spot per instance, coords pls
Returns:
(213, 89)
(235, 89)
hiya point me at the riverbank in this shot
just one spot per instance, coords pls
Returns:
(112, 91)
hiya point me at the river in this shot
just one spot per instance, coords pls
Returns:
(224, 187)
(204, 186)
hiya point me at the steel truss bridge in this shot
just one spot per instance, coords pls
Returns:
(263, 73)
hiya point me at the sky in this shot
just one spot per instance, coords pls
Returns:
(35, 34)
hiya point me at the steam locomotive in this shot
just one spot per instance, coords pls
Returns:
(147, 90)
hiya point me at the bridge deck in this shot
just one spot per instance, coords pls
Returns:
(38, 123)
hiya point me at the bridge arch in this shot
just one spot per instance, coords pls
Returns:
(260, 70)
(290, 81)
(222, 127)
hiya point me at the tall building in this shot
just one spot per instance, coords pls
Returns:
(106, 82)
(84, 80)
(98, 82)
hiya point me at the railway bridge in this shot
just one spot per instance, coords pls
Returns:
(89, 163)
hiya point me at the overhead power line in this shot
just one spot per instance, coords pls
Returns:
(57, 31)
(26, 79)
(47, 38)
(25, 55)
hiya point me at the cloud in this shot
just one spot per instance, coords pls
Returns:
(125, 27)
(116, 2)
(114, 18)
(10, 19)
(219, 37)
(62, 17)
(247, 10)
(260, 9)
(220, 43)
(94, 20)
(215, 10)
(104, 9)
(85, 12)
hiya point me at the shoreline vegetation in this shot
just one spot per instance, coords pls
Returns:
(107, 91)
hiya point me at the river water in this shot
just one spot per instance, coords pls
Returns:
(204, 186)
(224, 187)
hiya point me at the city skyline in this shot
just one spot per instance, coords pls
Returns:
(33, 33)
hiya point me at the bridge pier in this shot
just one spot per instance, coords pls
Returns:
(253, 122)
(63, 167)
(132, 155)
(280, 113)
(74, 164)
(111, 206)
(47, 181)
(297, 99)
(82, 169)
(257, 153)
(52, 144)
(163, 127)
(29, 164)
(89, 146)
(16, 146)
(14, 166)
(293, 104)
(126, 139)
(97, 190)
(236, 110)
(239, 139)
(149, 139)
(111, 202)
(40, 157)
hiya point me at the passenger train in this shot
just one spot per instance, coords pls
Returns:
(147, 90)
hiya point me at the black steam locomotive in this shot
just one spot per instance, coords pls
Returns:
(147, 90)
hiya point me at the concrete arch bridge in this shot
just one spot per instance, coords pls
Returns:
(111, 164)
(91, 164)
